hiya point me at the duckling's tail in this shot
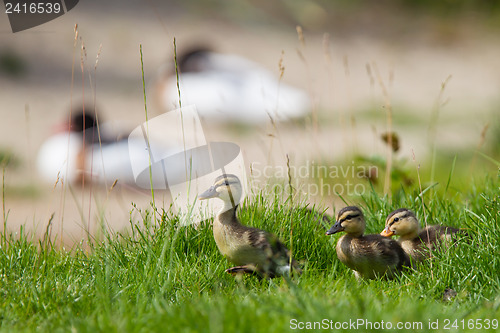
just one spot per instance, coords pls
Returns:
(285, 269)
(296, 267)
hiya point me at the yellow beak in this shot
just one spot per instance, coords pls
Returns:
(386, 232)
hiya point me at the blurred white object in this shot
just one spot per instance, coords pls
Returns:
(75, 153)
(231, 88)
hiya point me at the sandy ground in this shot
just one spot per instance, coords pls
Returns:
(337, 79)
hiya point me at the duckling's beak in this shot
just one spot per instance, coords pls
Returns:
(210, 193)
(387, 232)
(337, 227)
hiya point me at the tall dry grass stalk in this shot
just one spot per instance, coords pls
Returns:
(176, 64)
(300, 52)
(352, 121)
(433, 124)
(188, 165)
(421, 195)
(388, 109)
(83, 59)
(480, 144)
(96, 115)
(275, 132)
(83, 62)
(27, 117)
(328, 61)
(374, 106)
(93, 92)
(62, 203)
(327, 54)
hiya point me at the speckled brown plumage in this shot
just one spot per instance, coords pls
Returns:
(417, 242)
(370, 256)
(251, 249)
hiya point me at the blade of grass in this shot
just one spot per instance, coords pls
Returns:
(147, 133)
(451, 174)
(3, 206)
(388, 108)
(488, 158)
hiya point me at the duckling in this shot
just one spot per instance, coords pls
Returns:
(414, 240)
(370, 256)
(253, 250)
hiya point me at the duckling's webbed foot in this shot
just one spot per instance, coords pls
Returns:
(245, 269)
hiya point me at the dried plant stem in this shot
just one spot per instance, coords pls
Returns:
(28, 140)
(388, 108)
(177, 73)
(187, 165)
(352, 121)
(83, 60)
(180, 107)
(417, 165)
(314, 111)
(332, 89)
(328, 60)
(479, 146)
(274, 124)
(94, 96)
(63, 183)
(433, 124)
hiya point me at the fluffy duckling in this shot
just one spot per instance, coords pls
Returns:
(370, 256)
(414, 240)
(253, 250)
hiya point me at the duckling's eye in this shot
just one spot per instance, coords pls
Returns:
(396, 219)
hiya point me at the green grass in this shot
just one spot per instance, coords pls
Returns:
(168, 278)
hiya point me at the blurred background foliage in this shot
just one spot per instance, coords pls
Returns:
(323, 14)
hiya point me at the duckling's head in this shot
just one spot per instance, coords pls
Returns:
(226, 187)
(401, 222)
(351, 220)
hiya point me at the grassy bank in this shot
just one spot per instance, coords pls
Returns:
(168, 278)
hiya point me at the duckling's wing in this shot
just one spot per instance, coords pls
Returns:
(448, 232)
(402, 258)
(389, 251)
(432, 235)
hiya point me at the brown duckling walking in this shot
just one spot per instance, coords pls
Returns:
(253, 250)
